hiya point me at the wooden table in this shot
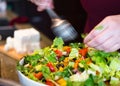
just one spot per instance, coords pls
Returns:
(7, 63)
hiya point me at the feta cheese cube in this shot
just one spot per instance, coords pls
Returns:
(26, 40)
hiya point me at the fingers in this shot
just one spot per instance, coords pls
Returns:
(105, 36)
(114, 48)
(43, 4)
(97, 30)
(109, 45)
(106, 39)
(49, 3)
(41, 8)
(100, 38)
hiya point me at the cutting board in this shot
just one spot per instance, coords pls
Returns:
(11, 53)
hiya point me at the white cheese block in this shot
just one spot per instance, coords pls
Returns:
(26, 40)
(9, 43)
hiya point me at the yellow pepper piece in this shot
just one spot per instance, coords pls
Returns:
(62, 82)
(61, 69)
(66, 59)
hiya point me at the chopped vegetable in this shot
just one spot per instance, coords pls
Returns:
(51, 67)
(49, 83)
(38, 75)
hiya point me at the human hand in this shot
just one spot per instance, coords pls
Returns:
(43, 4)
(106, 35)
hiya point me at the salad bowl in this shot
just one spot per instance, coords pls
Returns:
(69, 65)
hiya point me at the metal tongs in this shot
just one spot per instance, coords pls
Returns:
(61, 28)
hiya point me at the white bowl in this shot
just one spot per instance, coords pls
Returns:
(25, 81)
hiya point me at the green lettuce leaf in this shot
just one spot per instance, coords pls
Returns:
(58, 42)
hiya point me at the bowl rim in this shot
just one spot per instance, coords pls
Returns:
(23, 76)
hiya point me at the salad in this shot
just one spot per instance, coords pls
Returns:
(72, 65)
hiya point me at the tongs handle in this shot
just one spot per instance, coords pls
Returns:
(52, 13)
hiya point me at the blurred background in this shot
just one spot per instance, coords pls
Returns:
(66, 9)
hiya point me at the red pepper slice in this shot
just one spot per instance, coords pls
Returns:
(38, 75)
(49, 83)
(58, 53)
(51, 67)
(83, 51)
(67, 49)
